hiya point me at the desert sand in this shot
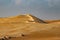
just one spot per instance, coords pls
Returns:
(29, 27)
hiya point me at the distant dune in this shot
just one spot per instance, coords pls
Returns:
(29, 27)
(52, 21)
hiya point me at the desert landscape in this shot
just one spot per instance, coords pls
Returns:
(29, 27)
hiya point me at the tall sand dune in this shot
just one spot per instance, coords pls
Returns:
(28, 27)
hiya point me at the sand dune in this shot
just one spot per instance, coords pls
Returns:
(28, 27)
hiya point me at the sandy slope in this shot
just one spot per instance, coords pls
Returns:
(30, 30)
(30, 27)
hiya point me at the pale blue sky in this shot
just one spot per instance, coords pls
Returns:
(43, 9)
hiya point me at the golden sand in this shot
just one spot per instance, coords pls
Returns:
(28, 27)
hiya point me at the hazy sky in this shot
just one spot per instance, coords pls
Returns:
(43, 9)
